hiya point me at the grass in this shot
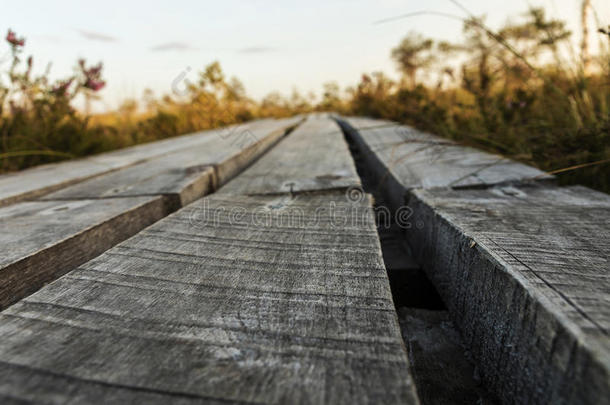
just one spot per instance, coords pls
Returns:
(512, 91)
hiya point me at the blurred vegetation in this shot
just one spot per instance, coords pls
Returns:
(521, 91)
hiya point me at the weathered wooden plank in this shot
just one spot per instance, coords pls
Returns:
(38, 247)
(165, 176)
(389, 133)
(40, 241)
(525, 273)
(189, 173)
(251, 144)
(314, 157)
(41, 180)
(259, 299)
(414, 159)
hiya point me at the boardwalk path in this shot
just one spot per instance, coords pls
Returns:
(48, 236)
(276, 297)
(523, 265)
(244, 266)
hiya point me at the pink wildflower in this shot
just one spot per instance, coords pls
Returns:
(12, 39)
(92, 76)
(94, 84)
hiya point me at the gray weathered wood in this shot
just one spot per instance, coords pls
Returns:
(41, 180)
(40, 241)
(239, 299)
(419, 160)
(262, 299)
(188, 173)
(525, 273)
(251, 145)
(314, 157)
(39, 244)
(170, 176)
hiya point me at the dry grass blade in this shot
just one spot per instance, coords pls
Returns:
(575, 167)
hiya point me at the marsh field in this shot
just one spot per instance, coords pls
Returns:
(529, 90)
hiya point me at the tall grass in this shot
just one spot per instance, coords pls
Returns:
(519, 91)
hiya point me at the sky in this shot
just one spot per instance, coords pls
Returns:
(269, 45)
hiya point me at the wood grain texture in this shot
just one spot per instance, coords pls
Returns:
(252, 144)
(265, 299)
(419, 160)
(314, 157)
(189, 173)
(43, 240)
(40, 180)
(525, 273)
(40, 241)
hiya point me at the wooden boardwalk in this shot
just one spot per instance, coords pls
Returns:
(523, 265)
(244, 265)
(50, 235)
(272, 298)
(41, 180)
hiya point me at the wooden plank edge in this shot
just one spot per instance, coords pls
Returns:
(40, 192)
(384, 173)
(527, 350)
(235, 165)
(393, 192)
(28, 275)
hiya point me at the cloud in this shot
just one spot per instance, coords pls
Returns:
(97, 36)
(256, 49)
(172, 46)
